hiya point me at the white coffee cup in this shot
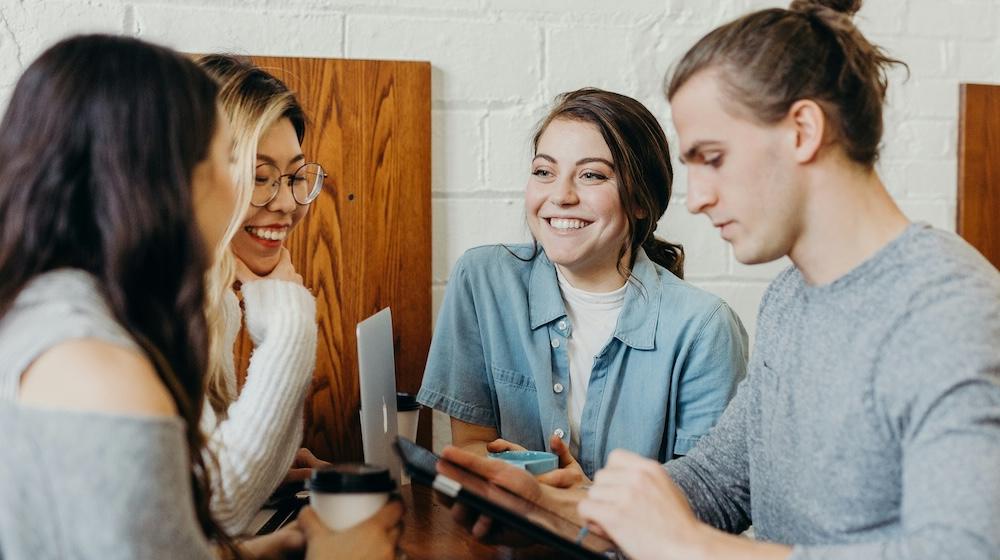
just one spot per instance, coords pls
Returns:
(407, 417)
(346, 494)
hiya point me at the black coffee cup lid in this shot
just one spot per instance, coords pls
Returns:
(406, 402)
(351, 478)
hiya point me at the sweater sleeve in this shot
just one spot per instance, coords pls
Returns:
(950, 505)
(255, 444)
(714, 476)
(937, 393)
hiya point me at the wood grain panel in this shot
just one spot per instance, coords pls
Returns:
(979, 169)
(366, 242)
(430, 533)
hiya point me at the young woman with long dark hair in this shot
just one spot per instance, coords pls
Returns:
(115, 192)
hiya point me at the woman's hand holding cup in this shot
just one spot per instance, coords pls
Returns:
(375, 538)
(569, 474)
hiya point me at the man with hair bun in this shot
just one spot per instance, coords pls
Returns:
(868, 425)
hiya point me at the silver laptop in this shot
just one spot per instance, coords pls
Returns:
(377, 372)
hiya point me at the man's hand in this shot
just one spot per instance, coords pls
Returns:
(517, 481)
(636, 504)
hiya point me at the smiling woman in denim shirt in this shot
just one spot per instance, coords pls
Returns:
(587, 340)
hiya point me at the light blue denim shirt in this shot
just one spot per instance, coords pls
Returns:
(499, 352)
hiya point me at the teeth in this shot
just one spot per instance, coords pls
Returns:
(561, 223)
(267, 233)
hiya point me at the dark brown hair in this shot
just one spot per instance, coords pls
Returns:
(97, 150)
(641, 160)
(768, 60)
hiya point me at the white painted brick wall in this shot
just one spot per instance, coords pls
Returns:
(457, 138)
(498, 63)
(213, 27)
(475, 60)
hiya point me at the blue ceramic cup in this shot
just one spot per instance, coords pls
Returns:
(535, 462)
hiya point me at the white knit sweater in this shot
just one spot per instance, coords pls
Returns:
(256, 442)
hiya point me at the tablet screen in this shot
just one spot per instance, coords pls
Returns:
(425, 467)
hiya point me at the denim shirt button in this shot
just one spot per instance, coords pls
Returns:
(561, 325)
(555, 343)
(559, 433)
(558, 387)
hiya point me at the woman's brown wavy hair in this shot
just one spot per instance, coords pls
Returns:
(642, 167)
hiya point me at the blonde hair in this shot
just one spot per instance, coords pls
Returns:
(252, 100)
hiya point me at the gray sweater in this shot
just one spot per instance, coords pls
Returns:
(869, 423)
(85, 484)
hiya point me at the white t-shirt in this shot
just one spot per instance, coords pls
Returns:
(593, 317)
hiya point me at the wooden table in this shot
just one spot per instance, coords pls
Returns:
(431, 534)
(429, 531)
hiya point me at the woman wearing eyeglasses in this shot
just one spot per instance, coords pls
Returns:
(255, 433)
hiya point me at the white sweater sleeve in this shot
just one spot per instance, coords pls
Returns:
(256, 442)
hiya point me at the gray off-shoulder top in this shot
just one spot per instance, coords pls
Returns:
(85, 484)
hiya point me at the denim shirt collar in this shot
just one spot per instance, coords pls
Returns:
(640, 312)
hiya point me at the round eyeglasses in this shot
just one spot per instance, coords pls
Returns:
(305, 184)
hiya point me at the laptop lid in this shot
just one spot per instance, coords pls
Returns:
(377, 375)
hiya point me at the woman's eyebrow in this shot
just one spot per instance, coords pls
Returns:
(597, 160)
(268, 159)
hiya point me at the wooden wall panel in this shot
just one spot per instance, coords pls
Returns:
(366, 242)
(979, 169)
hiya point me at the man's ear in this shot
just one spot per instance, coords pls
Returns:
(809, 123)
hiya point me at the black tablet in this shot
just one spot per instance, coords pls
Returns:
(500, 504)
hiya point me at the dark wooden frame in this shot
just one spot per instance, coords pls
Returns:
(979, 168)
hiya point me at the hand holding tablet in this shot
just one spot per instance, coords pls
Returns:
(520, 505)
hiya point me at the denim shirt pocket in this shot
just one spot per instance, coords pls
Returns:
(513, 379)
(517, 400)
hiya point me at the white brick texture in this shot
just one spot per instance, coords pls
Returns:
(474, 61)
(242, 30)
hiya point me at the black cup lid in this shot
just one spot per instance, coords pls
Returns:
(406, 402)
(351, 478)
